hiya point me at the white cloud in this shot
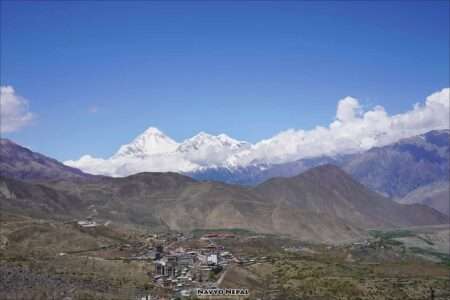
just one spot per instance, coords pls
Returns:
(352, 130)
(92, 165)
(124, 166)
(14, 112)
(348, 109)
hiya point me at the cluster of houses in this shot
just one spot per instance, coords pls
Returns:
(179, 269)
(184, 269)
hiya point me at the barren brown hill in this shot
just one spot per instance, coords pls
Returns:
(435, 195)
(330, 191)
(37, 200)
(323, 204)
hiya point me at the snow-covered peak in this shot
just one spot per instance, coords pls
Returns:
(226, 140)
(353, 130)
(151, 141)
(206, 149)
(205, 140)
(152, 131)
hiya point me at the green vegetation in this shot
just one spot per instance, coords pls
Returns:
(389, 235)
(237, 231)
(443, 257)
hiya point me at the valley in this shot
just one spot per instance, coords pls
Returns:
(42, 259)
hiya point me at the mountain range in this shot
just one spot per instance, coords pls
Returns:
(395, 170)
(414, 161)
(323, 204)
(406, 169)
(317, 199)
(353, 130)
(155, 151)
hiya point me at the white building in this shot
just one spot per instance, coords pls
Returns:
(212, 259)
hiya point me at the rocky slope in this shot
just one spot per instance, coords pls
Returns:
(435, 195)
(393, 170)
(323, 204)
(329, 190)
(399, 168)
(21, 163)
(37, 200)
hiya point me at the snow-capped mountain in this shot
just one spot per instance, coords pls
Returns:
(155, 151)
(210, 150)
(352, 131)
(150, 142)
(205, 140)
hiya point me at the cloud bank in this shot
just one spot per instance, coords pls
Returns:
(14, 112)
(352, 130)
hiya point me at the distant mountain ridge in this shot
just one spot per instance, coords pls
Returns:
(435, 195)
(220, 157)
(328, 189)
(155, 151)
(255, 174)
(401, 167)
(393, 170)
(352, 130)
(323, 204)
(21, 163)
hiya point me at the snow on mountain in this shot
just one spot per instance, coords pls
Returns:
(204, 140)
(150, 142)
(353, 130)
(210, 150)
(154, 151)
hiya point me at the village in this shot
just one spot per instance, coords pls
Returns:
(184, 269)
(178, 263)
(120, 262)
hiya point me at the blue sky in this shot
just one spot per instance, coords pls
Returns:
(248, 69)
